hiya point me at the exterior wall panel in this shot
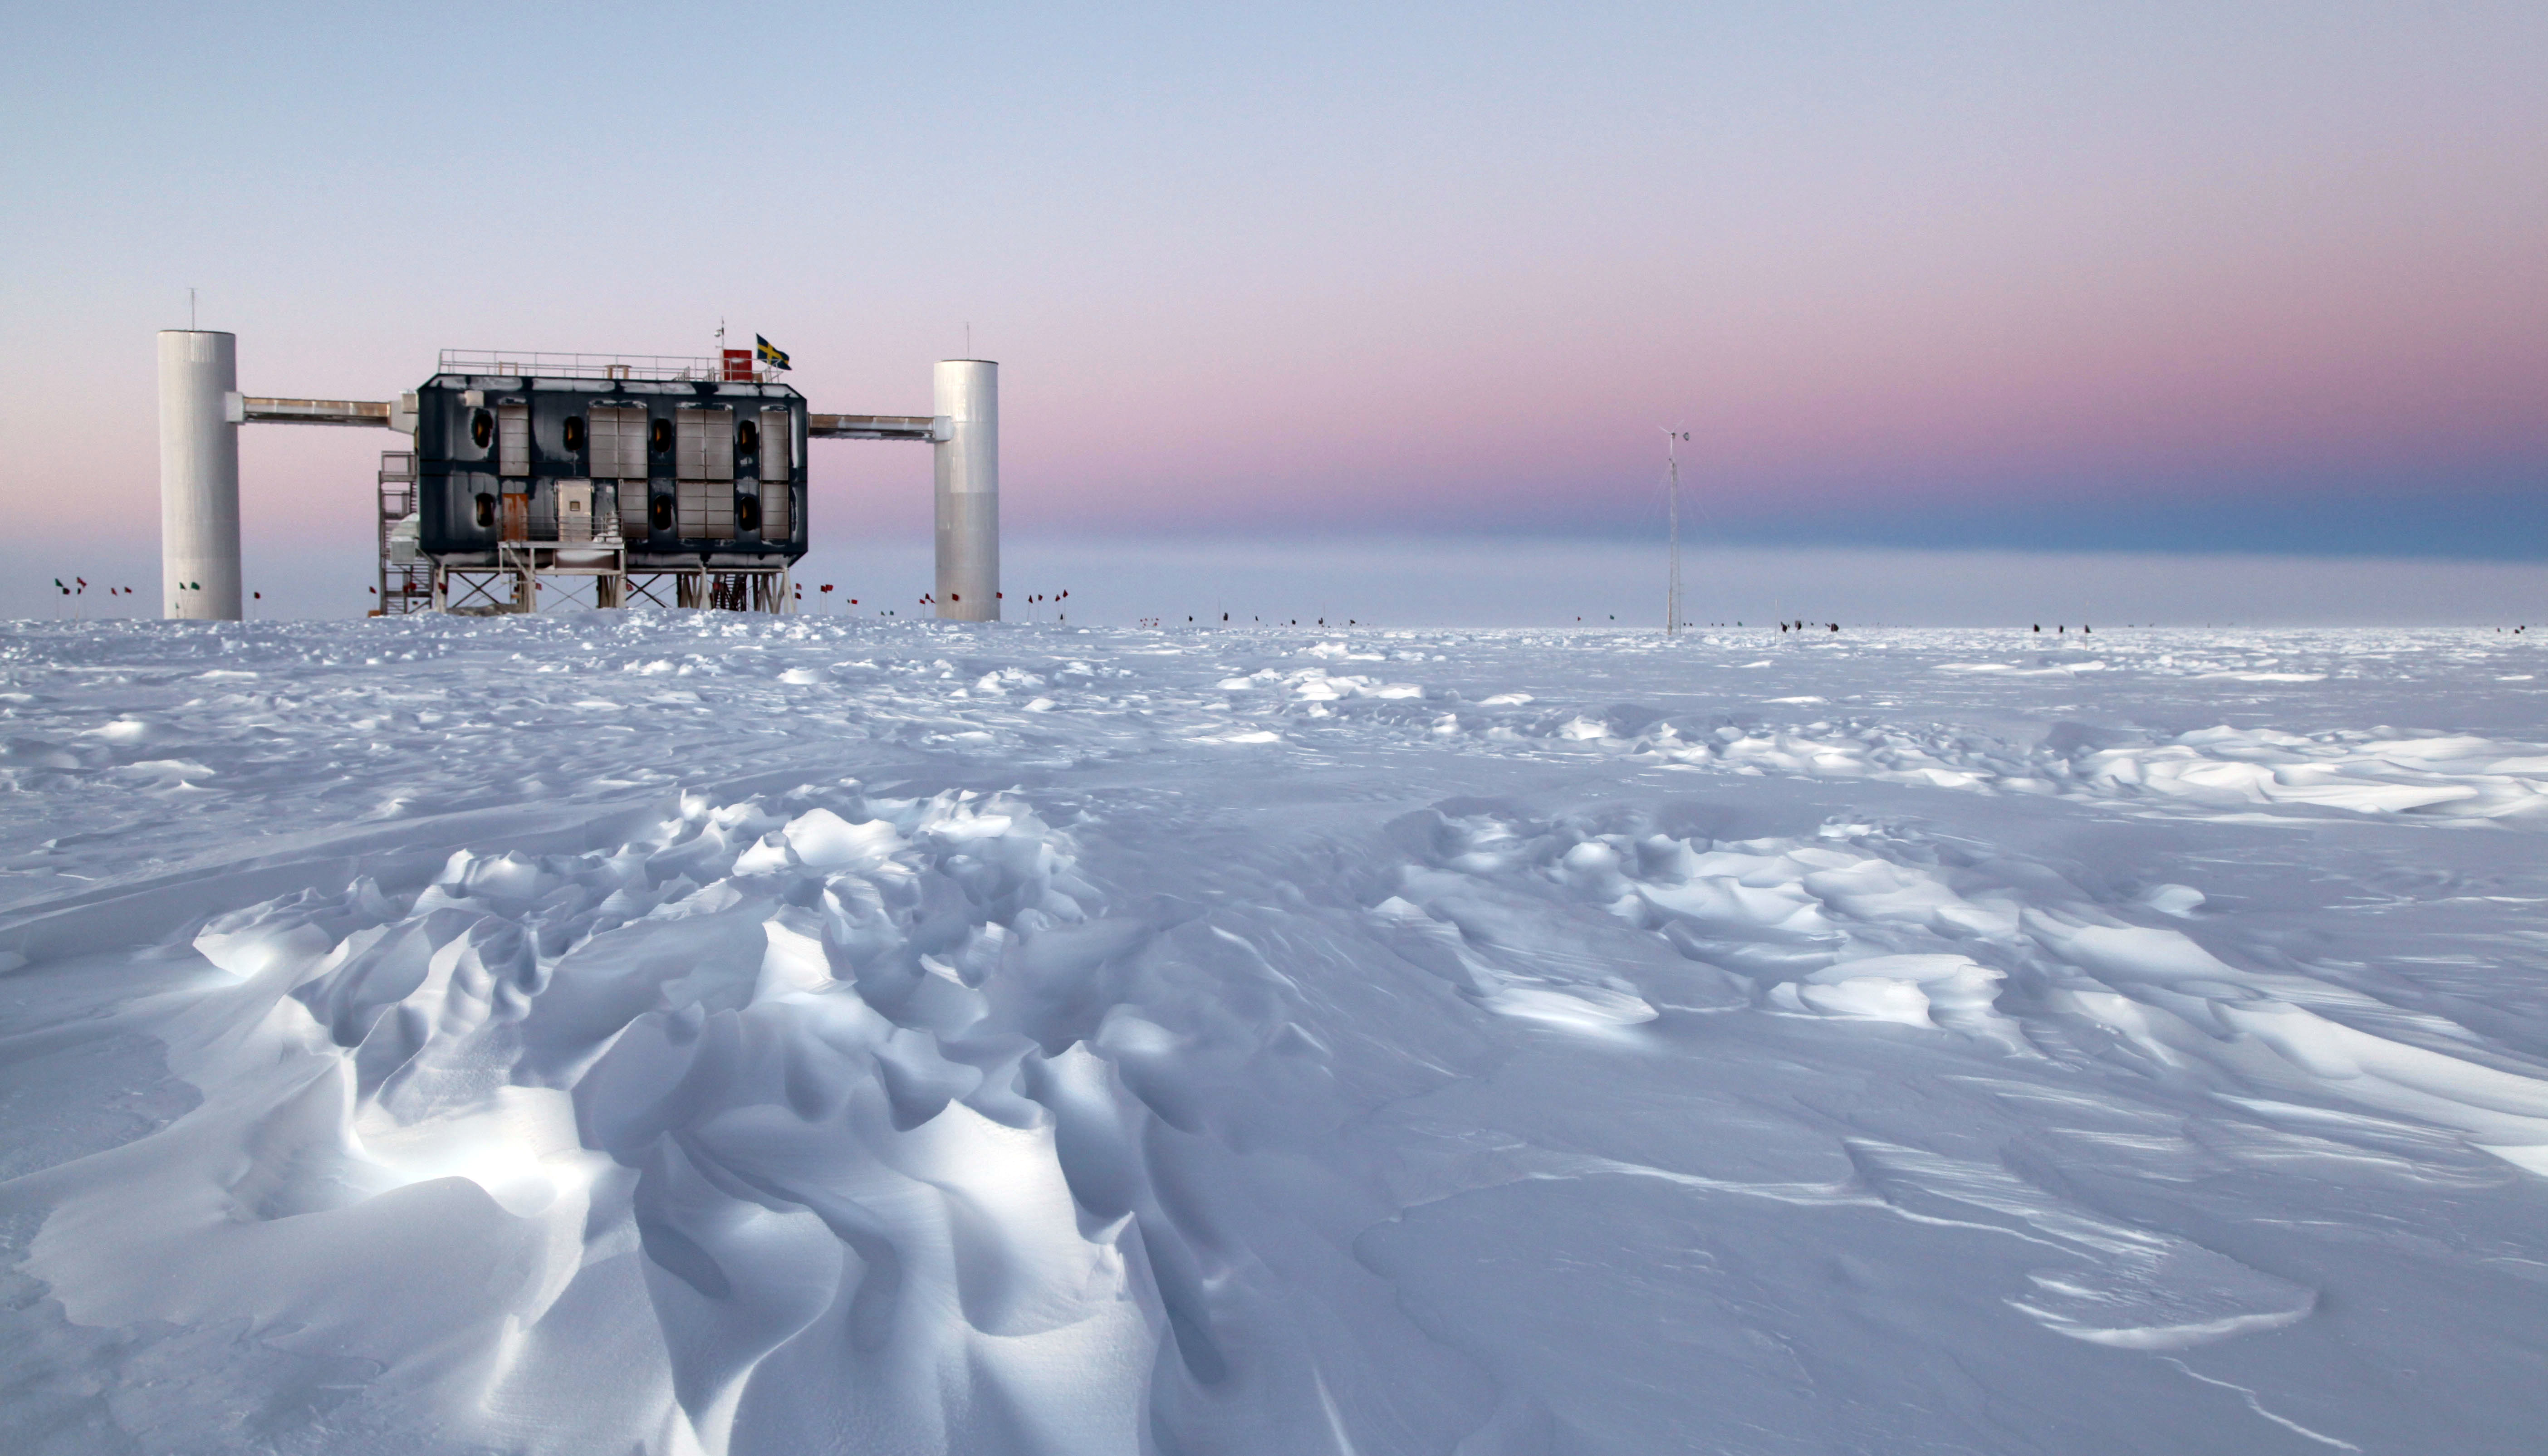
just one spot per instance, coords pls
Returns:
(514, 441)
(708, 511)
(617, 436)
(703, 442)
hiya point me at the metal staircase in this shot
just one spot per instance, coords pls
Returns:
(405, 576)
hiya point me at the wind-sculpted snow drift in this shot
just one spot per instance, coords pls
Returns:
(741, 1124)
(1156, 1045)
(754, 1133)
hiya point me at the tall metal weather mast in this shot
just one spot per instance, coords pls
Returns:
(1672, 591)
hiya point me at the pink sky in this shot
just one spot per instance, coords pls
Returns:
(1342, 269)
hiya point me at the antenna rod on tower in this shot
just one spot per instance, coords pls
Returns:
(1672, 591)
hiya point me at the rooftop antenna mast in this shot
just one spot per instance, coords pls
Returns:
(1672, 590)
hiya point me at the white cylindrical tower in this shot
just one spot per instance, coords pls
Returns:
(199, 517)
(968, 490)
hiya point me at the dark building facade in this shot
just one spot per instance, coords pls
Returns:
(682, 473)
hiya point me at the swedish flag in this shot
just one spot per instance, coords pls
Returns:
(771, 354)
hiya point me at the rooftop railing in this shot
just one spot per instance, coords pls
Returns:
(518, 364)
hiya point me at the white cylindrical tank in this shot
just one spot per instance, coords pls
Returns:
(198, 516)
(968, 490)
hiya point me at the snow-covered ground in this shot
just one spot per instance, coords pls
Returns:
(675, 1033)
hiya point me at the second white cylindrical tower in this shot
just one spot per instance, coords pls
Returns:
(199, 515)
(968, 490)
